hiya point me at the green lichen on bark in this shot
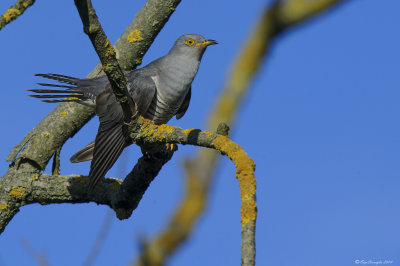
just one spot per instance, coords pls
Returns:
(14, 11)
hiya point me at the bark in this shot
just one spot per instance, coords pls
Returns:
(14, 11)
(21, 186)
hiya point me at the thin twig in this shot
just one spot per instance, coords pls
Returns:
(55, 168)
(100, 238)
(14, 11)
(107, 55)
(106, 224)
(39, 257)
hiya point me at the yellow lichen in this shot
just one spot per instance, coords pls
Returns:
(63, 114)
(60, 179)
(3, 206)
(109, 48)
(11, 14)
(151, 131)
(134, 36)
(245, 175)
(107, 44)
(109, 66)
(17, 192)
(220, 143)
(45, 134)
(115, 185)
(208, 134)
(72, 98)
(36, 141)
(188, 131)
(138, 61)
(35, 177)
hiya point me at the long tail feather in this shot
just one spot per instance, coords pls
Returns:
(61, 101)
(56, 85)
(84, 154)
(79, 96)
(61, 78)
(55, 91)
(68, 94)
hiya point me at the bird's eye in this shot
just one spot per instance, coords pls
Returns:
(189, 42)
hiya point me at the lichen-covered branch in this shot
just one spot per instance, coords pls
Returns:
(107, 55)
(277, 18)
(30, 155)
(14, 11)
(124, 197)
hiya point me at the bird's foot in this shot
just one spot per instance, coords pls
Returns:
(171, 146)
(159, 151)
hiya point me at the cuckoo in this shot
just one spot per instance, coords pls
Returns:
(161, 90)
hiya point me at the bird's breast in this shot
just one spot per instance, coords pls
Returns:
(167, 101)
(172, 83)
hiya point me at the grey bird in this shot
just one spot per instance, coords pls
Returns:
(161, 90)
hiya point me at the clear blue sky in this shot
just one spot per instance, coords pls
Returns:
(320, 121)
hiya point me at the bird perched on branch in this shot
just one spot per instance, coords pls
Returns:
(161, 90)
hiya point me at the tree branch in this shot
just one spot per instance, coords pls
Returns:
(46, 189)
(14, 11)
(107, 55)
(100, 239)
(39, 257)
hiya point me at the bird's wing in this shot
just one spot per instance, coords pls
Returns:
(111, 137)
(185, 104)
(143, 89)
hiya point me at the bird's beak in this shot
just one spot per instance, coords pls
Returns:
(207, 43)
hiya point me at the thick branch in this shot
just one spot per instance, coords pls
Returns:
(21, 187)
(14, 11)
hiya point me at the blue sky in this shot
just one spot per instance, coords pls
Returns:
(320, 121)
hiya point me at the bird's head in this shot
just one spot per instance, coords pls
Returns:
(192, 45)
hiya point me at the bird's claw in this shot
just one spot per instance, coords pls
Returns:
(171, 146)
